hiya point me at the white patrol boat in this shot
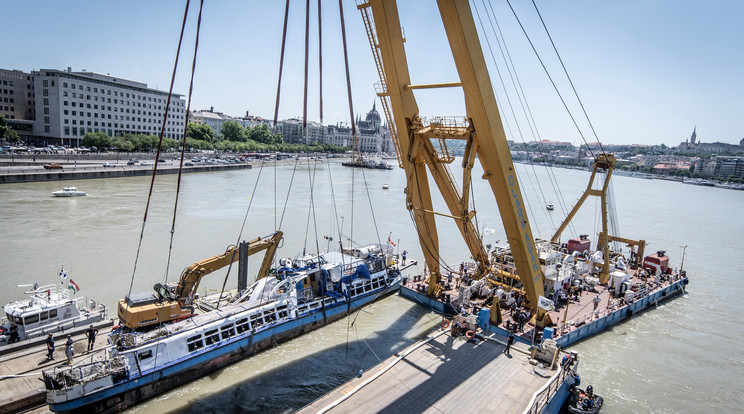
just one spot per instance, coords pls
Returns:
(49, 309)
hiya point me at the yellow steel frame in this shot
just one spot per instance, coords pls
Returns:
(606, 162)
(485, 138)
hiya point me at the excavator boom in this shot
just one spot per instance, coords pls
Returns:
(142, 310)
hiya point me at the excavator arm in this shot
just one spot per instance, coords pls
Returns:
(191, 277)
(138, 310)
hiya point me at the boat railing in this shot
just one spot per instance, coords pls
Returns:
(66, 377)
(542, 397)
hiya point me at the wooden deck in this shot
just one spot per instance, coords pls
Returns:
(447, 374)
(21, 387)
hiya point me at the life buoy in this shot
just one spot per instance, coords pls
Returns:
(445, 323)
(470, 334)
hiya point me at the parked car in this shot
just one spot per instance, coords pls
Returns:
(108, 164)
(130, 162)
(189, 164)
(145, 163)
(52, 166)
(161, 160)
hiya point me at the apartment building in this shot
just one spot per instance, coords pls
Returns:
(64, 105)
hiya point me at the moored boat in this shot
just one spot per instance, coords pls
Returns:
(303, 294)
(69, 192)
(50, 308)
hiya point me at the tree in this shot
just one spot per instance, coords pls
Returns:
(233, 131)
(200, 132)
(100, 140)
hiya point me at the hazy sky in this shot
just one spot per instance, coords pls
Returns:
(647, 71)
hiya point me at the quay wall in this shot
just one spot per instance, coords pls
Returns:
(81, 172)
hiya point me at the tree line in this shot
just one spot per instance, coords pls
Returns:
(232, 137)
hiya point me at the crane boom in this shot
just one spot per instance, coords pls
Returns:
(484, 135)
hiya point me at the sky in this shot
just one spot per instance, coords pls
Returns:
(646, 71)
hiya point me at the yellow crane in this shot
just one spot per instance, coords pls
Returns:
(140, 311)
(482, 131)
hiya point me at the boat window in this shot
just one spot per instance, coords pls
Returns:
(228, 331)
(194, 343)
(52, 313)
(242, 325)
(31, 319)
(211, 337)
(145, 355)
(44, 316)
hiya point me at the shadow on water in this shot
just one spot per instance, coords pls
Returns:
(303, 380)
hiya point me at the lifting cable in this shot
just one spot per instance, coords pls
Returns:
(351, 108)
(183, 142)
(568, 77)
(320, 71)
(162, 129)
(307, 63)
(281, 63)
(565, 105)
(240, 233)
(513, 112)
(528, 114)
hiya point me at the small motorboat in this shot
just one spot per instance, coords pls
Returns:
(69, 192)
(550, 205)
(385, 186)
(584, 402)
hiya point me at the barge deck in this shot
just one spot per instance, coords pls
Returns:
(446, 373)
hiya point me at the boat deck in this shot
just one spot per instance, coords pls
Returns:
(446, 374)
(20, 371)
(567, 319)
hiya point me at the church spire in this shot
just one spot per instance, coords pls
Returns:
(693, 137)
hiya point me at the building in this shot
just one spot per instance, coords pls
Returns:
(373, 135)
(16, 95)
(292, 131)
(64, 105)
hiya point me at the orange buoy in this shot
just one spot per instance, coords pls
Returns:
(470, 334)
(445, 323)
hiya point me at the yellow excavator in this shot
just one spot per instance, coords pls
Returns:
(143, 310)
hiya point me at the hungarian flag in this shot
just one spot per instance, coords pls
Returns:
(390, 241)
(74, 286)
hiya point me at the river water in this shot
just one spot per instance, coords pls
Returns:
(685, 356)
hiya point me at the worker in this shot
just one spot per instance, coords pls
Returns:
(450, 275)
(13, 334)
(69, 349)
(509, 342)
(403, 257)
(50, 347)
(91, 334)
(596, 302)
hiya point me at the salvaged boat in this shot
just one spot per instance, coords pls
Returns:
(301, 295)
